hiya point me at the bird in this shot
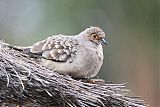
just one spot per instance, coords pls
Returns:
(80, 56)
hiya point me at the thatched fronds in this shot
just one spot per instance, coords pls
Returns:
(24, 82)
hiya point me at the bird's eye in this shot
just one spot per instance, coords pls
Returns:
(94, 35)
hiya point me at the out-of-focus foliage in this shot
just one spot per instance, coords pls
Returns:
(131, 27)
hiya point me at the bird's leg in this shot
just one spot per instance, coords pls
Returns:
(81, 78)
(89, 80)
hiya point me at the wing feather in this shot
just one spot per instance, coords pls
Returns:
(56, 48)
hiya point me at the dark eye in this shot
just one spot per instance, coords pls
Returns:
(94, 35)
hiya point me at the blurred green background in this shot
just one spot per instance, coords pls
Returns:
(131, 26)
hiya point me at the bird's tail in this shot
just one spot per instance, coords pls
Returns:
(25, 50)
(18, 48)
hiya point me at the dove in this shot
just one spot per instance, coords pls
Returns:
(79, 55)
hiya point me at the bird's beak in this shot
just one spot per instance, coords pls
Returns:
(104, 41)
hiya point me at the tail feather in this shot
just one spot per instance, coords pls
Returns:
(25, 50)
(18, 48)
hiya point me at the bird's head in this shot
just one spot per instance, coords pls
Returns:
(95, 35)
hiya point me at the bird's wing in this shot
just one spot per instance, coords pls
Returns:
(56, 48)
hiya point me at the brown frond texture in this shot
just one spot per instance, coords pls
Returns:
(23, 82)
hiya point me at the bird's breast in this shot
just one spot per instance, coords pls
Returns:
(88, 62)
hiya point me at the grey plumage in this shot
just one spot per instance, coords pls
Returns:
(80, 55)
